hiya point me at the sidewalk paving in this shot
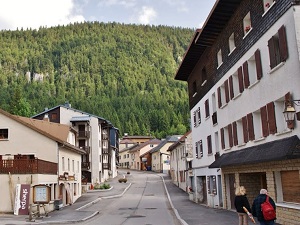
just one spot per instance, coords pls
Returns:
(188, 212)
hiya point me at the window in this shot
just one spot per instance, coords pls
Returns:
(199, 149)
(53, 116)
(211, 185)
(63, 163)
(231, 43)
(206, 108)
(278, 50)
(203, 77)
(194, 90)
(197, 117)
(219, 58)
(73, 166)
(3, 134)
(268, 119)
(268, 4)
(253, 69)
(247, 24)
(209, 145)
(257, 124)
(217, 142)
(68, 164)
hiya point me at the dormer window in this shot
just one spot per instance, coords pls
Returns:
(231, 43)
(203, 77)
(247, 24)
(194, 89)
(219, 57)
(3, 134)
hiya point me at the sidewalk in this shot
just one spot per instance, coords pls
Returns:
(188, 212)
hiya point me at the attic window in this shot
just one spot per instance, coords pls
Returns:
(3, 134)
(231, 43)
(203, 76)
(219, 58)
(268, 4)
(247, 24)
(194, 89)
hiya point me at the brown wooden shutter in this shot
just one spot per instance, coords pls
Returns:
(206, 108)
(271, 44)
(231, 91)
(240, 77)
(229, 127)
(250, 127)
(219, 97)
(271, 118)
(264, 121)
(209, 146)
(226, 91)
(222, 138)
(282, 44)
(245, 129)
(234, 132)
(246, 74)
(259, 73)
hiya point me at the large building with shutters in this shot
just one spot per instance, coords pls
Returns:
(243, 69)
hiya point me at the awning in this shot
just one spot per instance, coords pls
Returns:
(80, 119)
(287, 148)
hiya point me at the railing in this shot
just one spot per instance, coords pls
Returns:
(27, 166)
(84, 134)
(85, 165)
(86, 149)
(105, 151)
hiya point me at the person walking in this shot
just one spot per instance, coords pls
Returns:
(241, 201)
(256, 207)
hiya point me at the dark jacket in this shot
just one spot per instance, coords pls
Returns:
(240, 201)
(256, 206)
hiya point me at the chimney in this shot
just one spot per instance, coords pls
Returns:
(46, 117)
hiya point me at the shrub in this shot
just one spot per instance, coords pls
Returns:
(124, 180)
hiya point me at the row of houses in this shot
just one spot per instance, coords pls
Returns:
(243, 71)
(59, 152)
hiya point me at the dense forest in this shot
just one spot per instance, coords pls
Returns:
(123, 73)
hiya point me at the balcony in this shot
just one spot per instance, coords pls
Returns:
(85, 165)
(87, 149)
(27, 166)
(83, 134)
(105, 151)
(105, 166)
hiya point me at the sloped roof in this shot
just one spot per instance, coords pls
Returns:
(287, 148)
(67, 106)
(182, 139)
(128, 148)
(140, 146)
(173, 138)
(206, 36)
(54, 131)
(127, 141)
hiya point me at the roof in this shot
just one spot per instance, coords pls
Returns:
(181, 140)
(287, 148)
(54, 131)
(140, 146)
(205, 37)
(128, 148)
(127, 141)
(137, 137)
(173, 138)
(67, 106)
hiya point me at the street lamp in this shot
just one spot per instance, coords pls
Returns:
(289, 113)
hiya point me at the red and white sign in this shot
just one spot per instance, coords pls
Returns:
(22, 199)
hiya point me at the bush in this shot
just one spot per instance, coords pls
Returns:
(124, 180)
(102, 186)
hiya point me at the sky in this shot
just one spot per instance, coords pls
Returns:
(17, 14)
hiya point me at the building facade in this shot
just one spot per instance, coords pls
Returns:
(95, 135)
(242, 70)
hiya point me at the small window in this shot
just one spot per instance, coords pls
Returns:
(203, 77)
(207, 108)
(247, 24)
(53, 116)
(219, 58)
(231, 43)
(268, 4)
(194, 88)
(3, 134)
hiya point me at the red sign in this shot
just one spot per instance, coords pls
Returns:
(22, 199)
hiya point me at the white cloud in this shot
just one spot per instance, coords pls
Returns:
(36, 13)
(125, 3)
(147, 15)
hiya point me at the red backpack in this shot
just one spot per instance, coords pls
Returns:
(268, 210)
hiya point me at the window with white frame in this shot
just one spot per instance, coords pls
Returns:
(231, 43)
(257, 124)
(211, 185)
(197, 117)
(219, 58)
(252, 70)
(235, 84)
(203, 76)
(239, 126)
(280, 121)
(247, 23)
(63, 163)
(199, 149)
(217, 146)
(194, 89)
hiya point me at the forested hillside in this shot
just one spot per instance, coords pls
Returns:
(123, 73)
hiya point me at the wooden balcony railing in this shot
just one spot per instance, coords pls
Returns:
(27, 166)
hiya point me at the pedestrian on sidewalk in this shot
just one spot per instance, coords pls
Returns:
(256, 207)
(241, 201)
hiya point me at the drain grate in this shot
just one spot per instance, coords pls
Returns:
(135, 216)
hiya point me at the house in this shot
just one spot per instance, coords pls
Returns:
(95, 135)
(135, 139)
(37, 152)
(160, 155)
(140, 149)
(181, 156)
(242, 69)
(124, 156)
